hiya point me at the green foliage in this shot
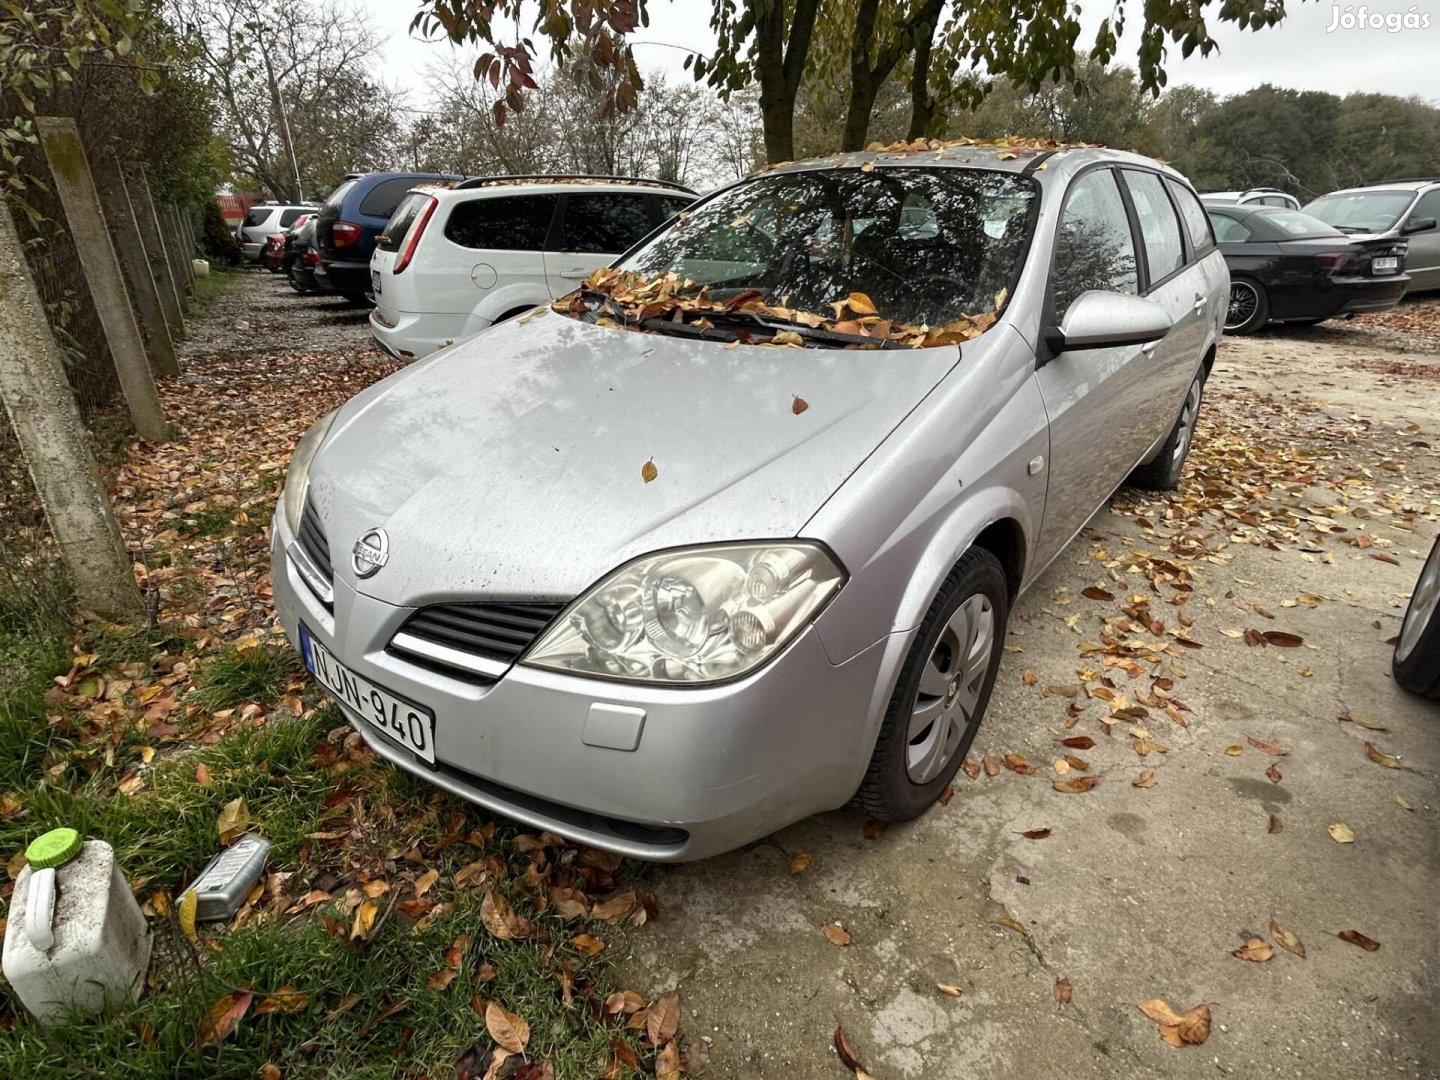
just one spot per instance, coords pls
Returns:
(239, 676)
(217, 239)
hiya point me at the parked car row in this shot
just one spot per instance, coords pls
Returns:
(1361, 249)
(601, 572)
(263, 220)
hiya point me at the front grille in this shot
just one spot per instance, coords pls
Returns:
(473, 640)
(312, 539)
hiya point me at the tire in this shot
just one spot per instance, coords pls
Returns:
(914, 762)
(1163, 471)
(1249, 308)
(1416, 663)
(296, 284)
(358, 299)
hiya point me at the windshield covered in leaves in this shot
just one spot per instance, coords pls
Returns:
(925, 246)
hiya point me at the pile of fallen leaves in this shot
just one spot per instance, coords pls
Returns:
(632, 299)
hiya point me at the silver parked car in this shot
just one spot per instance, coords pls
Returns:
(1408, 209)
(730, 536)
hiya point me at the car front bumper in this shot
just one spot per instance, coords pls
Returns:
(712, 767)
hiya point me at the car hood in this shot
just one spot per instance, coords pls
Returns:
(513, 464)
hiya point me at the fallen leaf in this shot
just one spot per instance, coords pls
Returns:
(185, 912)
(202, 775)
(234, 820)
(648, 471)
(1255, 949)
(800, 863)
(284, 1000)
(971, 767)
(663, 1020)
(1362, 720)
(948, 990)
(1283, 640)
(616, 908)
(1403, 803)
(1355, 937)
(1375, 754)
(1036, 834)
(1078, 742)
(1029, 677)
(861, 304)
(364, 919)
(848, 1057)
(1094, 592)
(425, 881)
(1235, 750)
(667, 1063)
(1076, 786)
(590, 946)
(1267, 747)
(1062, 992)
(508, 1029)
(221, 1018)
(787, 337)
(1146, 779)
(1013, 924)
(836, 934)
(1342, 833)
(439, 980)
(499, 917)
(1286, 939)
(1273, 774)
(875, 828)
(1016, 763)
(1275, 825)
(798, 405)
(1177, 1030)
(992, 767)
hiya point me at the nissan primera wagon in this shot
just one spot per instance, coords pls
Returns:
(729, 536)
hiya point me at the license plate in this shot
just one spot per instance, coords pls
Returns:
(412, 726)
(1388, 264)
(375, 281)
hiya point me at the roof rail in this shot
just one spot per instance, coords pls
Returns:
(1415, 180)
(566, 178)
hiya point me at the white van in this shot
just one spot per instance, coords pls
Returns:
(456, 259)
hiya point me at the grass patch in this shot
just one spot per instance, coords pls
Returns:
(381, 1007)
(208, 289)
(35, 617)
(237, 676)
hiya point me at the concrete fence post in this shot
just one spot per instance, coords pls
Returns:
(150, 232)
(52, 441)
(61, 140)
(125, 232)
(183, 247)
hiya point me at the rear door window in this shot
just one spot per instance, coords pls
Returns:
(603, 221)
(671, 205)
(384, 197)
(512, 223)
(1095, 248)
(1197, 223)
(1159, 228)
(257, 215)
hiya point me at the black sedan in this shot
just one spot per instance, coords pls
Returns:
(1286, 266)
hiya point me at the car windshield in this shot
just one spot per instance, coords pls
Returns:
(919, 246)
(1299, 225)
(1361, 211)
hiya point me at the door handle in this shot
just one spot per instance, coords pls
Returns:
(1149, 349)
(1199, 304)
(576, 274)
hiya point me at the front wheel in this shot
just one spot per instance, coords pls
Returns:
(1416, 663)
(941, 694)
(1249, 307)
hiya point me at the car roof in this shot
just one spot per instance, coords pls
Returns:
(518, 185)
(1013, 155)
(1393, 185)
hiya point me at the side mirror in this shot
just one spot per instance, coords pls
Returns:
(1106, 320)
(1424, 224)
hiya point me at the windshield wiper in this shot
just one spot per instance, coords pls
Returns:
(775, 326)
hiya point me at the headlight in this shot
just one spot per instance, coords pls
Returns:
(297, 476)
(695, 615)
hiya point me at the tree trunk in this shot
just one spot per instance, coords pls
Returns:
(52, 440)
(780, 66)
(71, 170)
(283, 123)
(922, 105)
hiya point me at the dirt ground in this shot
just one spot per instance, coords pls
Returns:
(1310, 504)
(1312, 498)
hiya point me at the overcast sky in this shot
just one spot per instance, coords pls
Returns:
(1301, 53)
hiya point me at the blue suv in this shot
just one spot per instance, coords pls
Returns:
(353, 216)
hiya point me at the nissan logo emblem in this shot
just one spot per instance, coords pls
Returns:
(370, 552)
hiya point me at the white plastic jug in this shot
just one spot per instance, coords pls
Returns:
(75, 937)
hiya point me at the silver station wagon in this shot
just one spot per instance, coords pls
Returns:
(730, 535)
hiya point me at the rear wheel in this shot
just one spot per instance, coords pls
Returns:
(1416, 663)
(1163, 472)
(1249, 308)
(941, 694)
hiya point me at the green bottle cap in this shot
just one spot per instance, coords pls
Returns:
(54, 848)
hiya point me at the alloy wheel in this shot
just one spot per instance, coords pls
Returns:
(1423, 602)
(950, 685)
(1188, 415)
(1244, 301)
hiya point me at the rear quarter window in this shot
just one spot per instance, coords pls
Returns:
(257, 215)
(382, 199)
(289, 217)
(1197, 222)
(507, 223)
(401, 221)
(1228, 230)
(336, 197)
(1159, 228)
